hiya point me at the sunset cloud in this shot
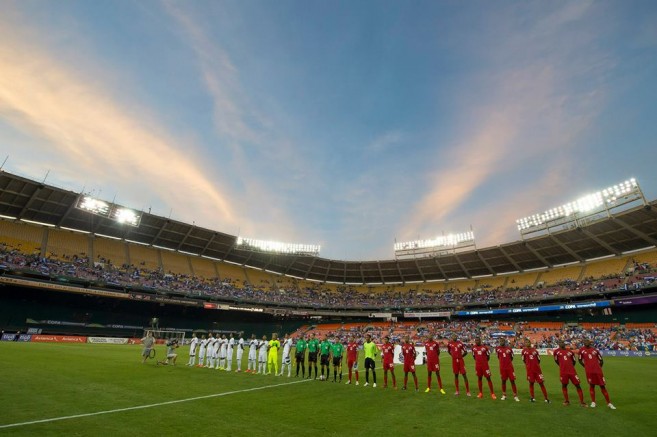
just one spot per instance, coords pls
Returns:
(94, 135)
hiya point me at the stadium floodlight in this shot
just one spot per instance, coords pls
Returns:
(449, 242)
(111, 211)
(278, 247)
(94, 206)
(615, 195)
(127, 216)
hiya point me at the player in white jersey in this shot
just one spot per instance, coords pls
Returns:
(253, 354)
(201, 351)
(217, 346)
(217, 351)
(222, 352)
(240, 352)
(287, 361)
(229, 353)
(192, 350)
(263, 347)
(209, 351)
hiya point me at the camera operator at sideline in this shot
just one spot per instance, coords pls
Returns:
(172, 345)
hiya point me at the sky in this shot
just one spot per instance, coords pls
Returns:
(349, 124)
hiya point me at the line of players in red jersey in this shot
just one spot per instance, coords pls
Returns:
(588, 356)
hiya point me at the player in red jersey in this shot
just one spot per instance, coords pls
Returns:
(565, 359)
(409, 353)
(590, 358)
(432, 349)
(388, 354)
(352, 358)
(507, 372)
(481, 355)
(532, 362)
(457, 351)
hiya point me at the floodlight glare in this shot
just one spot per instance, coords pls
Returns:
(444, 241)
(109, 210)
(94, 206)
(604, 199)
(278, 247)
(127, 216)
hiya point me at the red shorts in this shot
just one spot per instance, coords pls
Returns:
(533, 377)
(353, 365)
(507, 374)
(458, 366)
(433, 366)
(569, 378)
(483, 371)
(595, 379)
(409, 366)
(388, 365)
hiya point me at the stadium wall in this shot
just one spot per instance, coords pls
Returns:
(96, 315)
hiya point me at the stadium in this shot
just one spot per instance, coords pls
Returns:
(335, 218)
(73, 274)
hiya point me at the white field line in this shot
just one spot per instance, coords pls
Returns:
(159, 404)
(141, 407)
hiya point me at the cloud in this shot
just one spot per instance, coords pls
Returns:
(79, 128)
(270, 165)
(523, 127)
(386, 141)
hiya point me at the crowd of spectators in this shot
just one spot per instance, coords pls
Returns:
(104, 272)
(609, 338)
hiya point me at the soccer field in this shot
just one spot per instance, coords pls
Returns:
(45, 386)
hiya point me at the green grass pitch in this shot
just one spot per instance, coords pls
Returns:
(47, 381)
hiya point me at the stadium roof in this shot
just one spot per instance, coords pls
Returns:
(627, 231)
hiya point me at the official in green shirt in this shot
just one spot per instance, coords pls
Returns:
(325, 352)
(370, 348)
(313, 348)
(337, 350)
(300, 355)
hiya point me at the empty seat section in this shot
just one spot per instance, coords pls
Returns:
(144, 257)
(231, 272)
(646, 257)
(560, 274)
(112, 251)
(598, 269)
(259, 279)
(433, 287)
(522, 280)
(66, 245)
(463, 286)
(596, 325)
(175, 263)
(203, 268)
(21, 236)
(492, 282)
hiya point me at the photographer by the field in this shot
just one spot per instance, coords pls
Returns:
(172, 345)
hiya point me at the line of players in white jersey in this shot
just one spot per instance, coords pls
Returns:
(217, 353)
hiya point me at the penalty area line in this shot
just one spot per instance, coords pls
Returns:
(141, 407)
